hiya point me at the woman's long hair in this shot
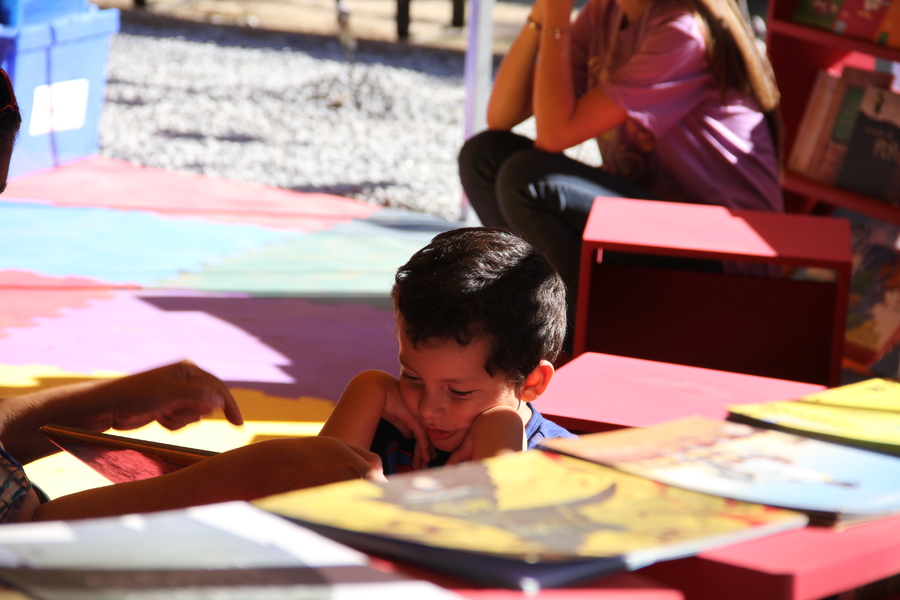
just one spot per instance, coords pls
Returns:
(738, 62)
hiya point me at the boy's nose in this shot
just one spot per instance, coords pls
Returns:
(430, 405)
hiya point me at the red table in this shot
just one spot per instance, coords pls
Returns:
(775, 327)
(806, 564)
(595, 392)
(600, 392)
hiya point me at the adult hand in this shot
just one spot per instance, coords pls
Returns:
(174, 395)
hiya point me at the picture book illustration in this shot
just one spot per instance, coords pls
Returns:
(120, 458)
(831, 483)
(532, 507)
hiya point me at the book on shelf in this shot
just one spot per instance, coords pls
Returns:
(817, 13)
(873, 312)
(832, 484)
(527, 520)
(226, 551)
(872, 162)
(864, 415)
(888, 31)
(120, 458)
(812, 120)
(837, 126)
(860, 18)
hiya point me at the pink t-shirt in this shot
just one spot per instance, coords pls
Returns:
(679, 141)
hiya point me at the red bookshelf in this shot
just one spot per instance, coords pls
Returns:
(797, 52)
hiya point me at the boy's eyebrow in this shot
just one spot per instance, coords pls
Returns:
(444, 380)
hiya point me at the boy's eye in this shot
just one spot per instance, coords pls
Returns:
(408, 377)
(461, 393)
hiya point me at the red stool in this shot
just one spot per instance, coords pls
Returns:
(773, 327)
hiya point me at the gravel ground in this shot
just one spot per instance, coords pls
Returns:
(291, 111)
(288, 111)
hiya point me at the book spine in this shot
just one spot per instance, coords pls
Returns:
(811, 123)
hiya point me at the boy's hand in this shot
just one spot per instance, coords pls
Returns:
(398, 415)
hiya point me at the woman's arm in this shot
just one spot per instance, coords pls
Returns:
(563, 120)
(174, 395)
(245, 473)
(510, 100)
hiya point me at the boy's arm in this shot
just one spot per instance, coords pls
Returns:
(245, 473)
(497, 430)
(368, 398)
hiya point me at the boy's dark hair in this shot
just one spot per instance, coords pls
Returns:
(10, 117)
(477, 281)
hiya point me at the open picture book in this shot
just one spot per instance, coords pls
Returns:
(831, 483)
(527, 520)
(120, 458)
(227, 551)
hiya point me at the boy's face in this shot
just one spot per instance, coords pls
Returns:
(445, 386)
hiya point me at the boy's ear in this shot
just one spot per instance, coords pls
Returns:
(537, 381)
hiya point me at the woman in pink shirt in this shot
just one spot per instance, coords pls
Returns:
(682, 102)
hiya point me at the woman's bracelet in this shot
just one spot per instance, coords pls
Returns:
(532, 24)
(557, 32)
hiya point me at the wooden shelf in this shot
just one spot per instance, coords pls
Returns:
(820, 37)
(834, 196)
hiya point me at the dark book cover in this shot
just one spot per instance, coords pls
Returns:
(872, 163)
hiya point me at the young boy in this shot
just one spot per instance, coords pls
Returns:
(481, 315)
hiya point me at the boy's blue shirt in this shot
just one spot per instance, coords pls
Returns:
(396, 451)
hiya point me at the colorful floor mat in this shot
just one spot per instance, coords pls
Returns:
(107, 268)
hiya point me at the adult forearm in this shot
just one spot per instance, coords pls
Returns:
(554, 91)
(510, 100)
(21, 417)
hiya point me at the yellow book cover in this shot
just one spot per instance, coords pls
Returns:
(872, 394)
(527, 520)
(864, 415)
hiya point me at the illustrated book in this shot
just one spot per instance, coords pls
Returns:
(833, 484)
(527, 520)
(120, 458)
(864, 415)
(860, 18)
(873, 313)
(227, 551)
(817, 13)
(888, 31)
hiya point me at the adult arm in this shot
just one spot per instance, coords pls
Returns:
(368, 398)
(245, 473)
(561, 119)
(173, 395)
(510, 100)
